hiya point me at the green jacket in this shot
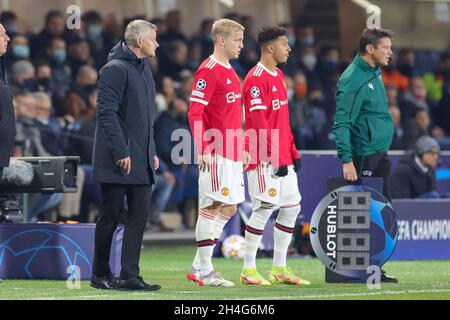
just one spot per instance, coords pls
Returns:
(363, 124)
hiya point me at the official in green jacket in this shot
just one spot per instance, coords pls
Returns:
(363, 128)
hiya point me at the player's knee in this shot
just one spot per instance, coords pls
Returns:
(289, 212)
(292, 207)
(214, 208)
(229, 210)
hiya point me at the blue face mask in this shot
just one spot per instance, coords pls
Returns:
(308, 40)
(291, 40)
(21, 51)
(60, 55)
(94, 31)
(331, 65)
(30, 84)
(11, 29)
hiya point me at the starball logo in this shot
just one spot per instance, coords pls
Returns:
(353, 233)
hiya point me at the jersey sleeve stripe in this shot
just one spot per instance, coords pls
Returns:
(257, 108)
(258, 68)
(199, 101)
(209, 63)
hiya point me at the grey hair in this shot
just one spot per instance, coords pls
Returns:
(135, 29)
(21, 66)
(39, 95)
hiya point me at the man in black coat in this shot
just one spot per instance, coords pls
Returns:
(124, 159)
(7, 119)
(415, 174)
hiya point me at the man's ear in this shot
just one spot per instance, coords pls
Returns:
(139, 42)
(369, 48)
(221, 41)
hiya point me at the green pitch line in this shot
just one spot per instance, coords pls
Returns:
(167, 266)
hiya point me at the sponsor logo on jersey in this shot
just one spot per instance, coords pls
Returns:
(276, 104)
(196, 93)
(228, 81)
(231, 97)
(370, 86)
(274, 89)
(255, 101)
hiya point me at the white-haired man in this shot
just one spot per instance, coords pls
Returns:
(215, 109)
(124, 160)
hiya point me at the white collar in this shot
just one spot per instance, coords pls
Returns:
(273, 73)
(425, 169)
(228, 66)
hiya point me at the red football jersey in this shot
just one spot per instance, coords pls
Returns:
(266, 107)
(216, 106)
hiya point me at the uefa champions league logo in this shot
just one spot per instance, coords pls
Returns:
(49, 244)
(354, 232)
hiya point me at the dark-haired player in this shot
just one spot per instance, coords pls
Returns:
(272, 178)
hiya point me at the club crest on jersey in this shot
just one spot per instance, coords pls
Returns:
(225, 192)
(254, 92)
(272, 192)
(201, 85)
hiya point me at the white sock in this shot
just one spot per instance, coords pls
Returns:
(204, 235)
(219, 224)
(196, 263)
(253, 234)
(283, 230)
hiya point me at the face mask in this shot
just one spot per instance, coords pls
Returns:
(308, 40)
(182, 117)
(44, 121)
(389, 68)
(330, 65)
(44, 82)
(11, 29)
(60, 55)
(309, 61)
(30, 84)
(21, 51)
(292, 40)
(89, 88)
(207, 38)
(290, 93)
(94, 31)
(301, 90)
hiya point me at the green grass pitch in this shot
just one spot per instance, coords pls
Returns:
(167, 266)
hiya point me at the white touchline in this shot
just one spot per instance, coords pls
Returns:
(318, 296)
(354, 294)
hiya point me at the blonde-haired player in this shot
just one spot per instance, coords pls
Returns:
(216, 110)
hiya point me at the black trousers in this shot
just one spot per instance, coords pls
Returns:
(375, 165)
(138, 200)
